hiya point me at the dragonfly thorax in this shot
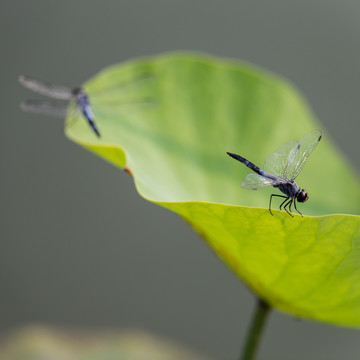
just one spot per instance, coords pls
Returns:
(302, 196)
(81, 99)
(289, 188)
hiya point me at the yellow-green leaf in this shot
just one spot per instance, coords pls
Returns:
(170, 121)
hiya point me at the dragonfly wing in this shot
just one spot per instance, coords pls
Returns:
(277, 162)
(255, 182)
(44, 88)
(304, 148)
(44, 107)
(115, 87)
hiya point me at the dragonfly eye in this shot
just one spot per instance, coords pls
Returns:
(302, 196)
(77, 91)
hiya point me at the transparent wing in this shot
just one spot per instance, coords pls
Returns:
(51, 108)
(289, 159)
(146, 101)
(125, 86)
(299, 156)
(255, 182)
(277, 162)
(44, 88)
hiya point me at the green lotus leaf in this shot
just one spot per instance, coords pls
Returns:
(170, 120)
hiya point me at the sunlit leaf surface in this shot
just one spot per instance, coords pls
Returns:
(170, 121)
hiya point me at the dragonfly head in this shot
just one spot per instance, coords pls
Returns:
(78, 92)
(302, 195)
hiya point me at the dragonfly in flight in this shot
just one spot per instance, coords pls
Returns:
(60, 93)
(281, 169)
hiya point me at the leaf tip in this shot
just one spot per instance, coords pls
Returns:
(127, 170)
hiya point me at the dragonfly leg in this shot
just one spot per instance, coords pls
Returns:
(286, 205)
(276, 196)
(297, 209)
(286, 199)
(290, 203)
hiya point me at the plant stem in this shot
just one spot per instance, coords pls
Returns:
(255, 330)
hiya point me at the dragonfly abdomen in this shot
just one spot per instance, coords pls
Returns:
(247, 163)
(83, 104)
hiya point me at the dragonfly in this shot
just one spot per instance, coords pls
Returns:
(60, 93)
(281, 169)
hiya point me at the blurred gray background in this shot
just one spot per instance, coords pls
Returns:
(78, 245)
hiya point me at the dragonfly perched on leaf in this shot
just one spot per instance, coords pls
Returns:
(281, 169)
(60, 93)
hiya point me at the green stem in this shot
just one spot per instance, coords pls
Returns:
(255, 330)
